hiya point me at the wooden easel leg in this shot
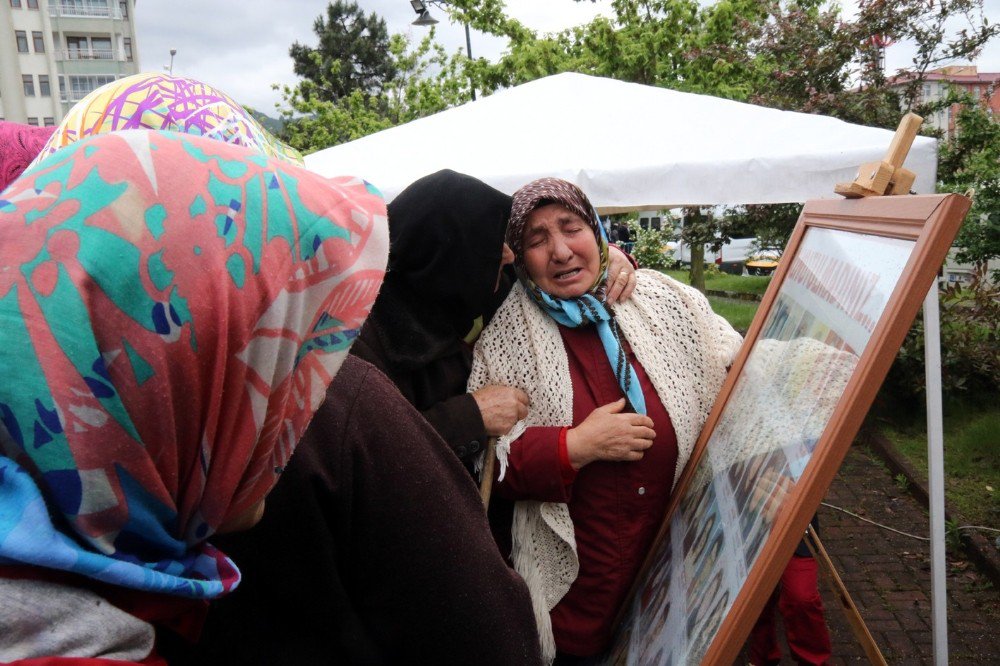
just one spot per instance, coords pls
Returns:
(489, 460)
(847, 604)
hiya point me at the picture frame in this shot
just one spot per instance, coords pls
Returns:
(849, 285)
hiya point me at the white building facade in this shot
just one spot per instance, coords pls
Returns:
(54, 52)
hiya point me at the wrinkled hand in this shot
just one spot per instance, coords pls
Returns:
(621, 276)
(609, 434)
(501, 407)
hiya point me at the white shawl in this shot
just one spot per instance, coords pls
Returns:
(685, 349)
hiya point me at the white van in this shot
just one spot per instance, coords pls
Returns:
(730, 258)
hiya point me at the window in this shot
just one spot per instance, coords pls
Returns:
(81, 86)
(16, 4)
(33, 120)
(29, 86)
(101, 48)
(50, 122)
(76, 48)
(22, 41)
(36, 37)
(43, 85)
(124, 8)
(32, 4)
(128, 49)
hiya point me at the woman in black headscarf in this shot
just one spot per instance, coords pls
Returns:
(445, 279)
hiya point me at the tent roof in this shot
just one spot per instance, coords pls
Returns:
(629, 146)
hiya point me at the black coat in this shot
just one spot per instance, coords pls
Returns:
(374, 548)
(446, 235)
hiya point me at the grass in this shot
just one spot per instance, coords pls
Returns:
(971, 457)
(739, 314)
(747, 284)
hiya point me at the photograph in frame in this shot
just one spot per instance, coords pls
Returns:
(843, 299)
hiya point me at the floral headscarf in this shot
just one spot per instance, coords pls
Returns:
(172, 310)
(588, 308)
(163, 102)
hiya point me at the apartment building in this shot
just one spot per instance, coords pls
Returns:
(967, 78)
(54, 52)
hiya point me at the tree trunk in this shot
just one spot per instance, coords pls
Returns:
(698, 266)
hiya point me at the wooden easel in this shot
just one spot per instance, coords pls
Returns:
(887, 176)
(839, 590)
(874, 179)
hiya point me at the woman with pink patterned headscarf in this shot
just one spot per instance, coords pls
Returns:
(172, 311)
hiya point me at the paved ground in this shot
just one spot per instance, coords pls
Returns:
(888, 575)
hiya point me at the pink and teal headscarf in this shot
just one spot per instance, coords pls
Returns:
(163, 102)
(172, 311)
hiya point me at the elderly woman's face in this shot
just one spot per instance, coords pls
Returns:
(560, 251)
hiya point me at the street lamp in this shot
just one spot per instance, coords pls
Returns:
(173, 52)
(425, 19)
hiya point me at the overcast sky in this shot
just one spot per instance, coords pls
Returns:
(241, 47)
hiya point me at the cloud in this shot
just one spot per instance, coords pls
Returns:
(242, 48)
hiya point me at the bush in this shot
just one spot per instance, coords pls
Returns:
(970, 344)
(649, 247)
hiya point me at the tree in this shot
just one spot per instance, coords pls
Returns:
(353, 54)
(970, 163)
(426, 80)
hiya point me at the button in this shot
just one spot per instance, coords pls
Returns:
(460, 451)
(474, 446)
(642, 490)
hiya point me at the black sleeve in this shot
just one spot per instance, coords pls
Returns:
(460, 424)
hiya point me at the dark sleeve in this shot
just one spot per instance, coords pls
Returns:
(460, 424)
(379, 550)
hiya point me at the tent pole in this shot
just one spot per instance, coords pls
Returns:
(935, 473)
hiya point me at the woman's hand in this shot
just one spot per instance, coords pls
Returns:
(501, 407)
(621, 276)
(609, 434)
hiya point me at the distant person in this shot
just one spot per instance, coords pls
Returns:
(617, 397)
(798, 600)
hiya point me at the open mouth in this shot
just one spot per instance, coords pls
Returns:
(567, 275)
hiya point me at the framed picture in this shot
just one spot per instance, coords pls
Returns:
(848, 287)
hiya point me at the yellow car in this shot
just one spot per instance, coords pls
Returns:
(763, 262)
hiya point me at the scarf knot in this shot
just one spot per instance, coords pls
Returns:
(588, 309)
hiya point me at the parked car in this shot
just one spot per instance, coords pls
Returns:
(764, 261)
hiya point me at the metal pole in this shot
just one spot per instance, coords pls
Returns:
(935, 474)
(468, 49)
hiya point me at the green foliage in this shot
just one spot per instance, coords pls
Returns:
(649, 248)
(426, 81)
(738, 313)
(902, 482)
(971, 439)
(970, 163)
(970, 340)
(353, 54)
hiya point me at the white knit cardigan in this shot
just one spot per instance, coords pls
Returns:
(685, 349)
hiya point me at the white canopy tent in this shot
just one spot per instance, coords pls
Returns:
(629, 146)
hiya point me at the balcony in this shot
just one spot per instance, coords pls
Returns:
(92, 54)
(81, 11)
